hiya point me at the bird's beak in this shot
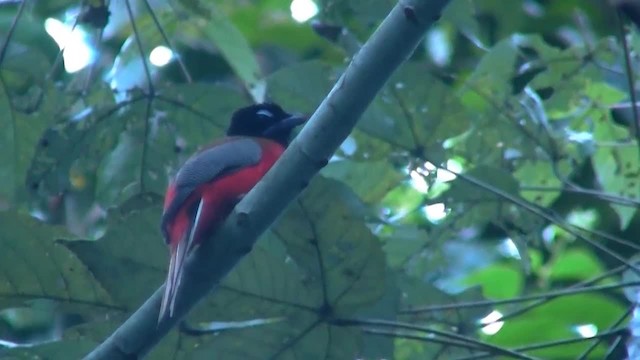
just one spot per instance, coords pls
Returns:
(293, 121)
(286, 125)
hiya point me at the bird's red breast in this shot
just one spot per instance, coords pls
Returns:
(220, 194)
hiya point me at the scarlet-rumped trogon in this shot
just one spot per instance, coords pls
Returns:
(212, 181)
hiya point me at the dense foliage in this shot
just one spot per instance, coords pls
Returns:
(485, 206)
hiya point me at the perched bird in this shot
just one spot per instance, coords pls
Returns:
(212, 181)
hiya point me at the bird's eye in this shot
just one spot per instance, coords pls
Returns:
(265, 113)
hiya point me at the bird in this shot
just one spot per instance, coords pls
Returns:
(210, 183)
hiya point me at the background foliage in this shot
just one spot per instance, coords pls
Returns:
(485, 206)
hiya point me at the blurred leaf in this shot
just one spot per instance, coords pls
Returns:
(234, 47)
(498, 281)
(403, 244)
(403, 200)
(488, 82)
(617, 171)
(370, 180)
(360, 16)
(34, 266)
(28, 102)
(462, 190)
(420, 294)
(575, 264)
(559, 318)
(29, 32)
(514, 332)
(302, 86)
(461, 14)
(541, 177)
(616, 160)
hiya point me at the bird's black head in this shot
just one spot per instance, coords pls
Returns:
(265, 120)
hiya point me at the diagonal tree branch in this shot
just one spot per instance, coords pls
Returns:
(391, 44)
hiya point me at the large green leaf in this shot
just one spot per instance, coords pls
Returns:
(216, 27)
(559, 319)
(575, 264)
(334, 247)
(539, 181)
(28, 103)
(616, 161)
(498, 281)
(33, 266)
(130, 260)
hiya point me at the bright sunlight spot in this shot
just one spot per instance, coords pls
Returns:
(418, 175)
(435, 212)
(349, 146)
(303, 10)
(418, 181)
(438, 46)
(508, 248)
(586, 330)
(8, 344)
(492, 325)
(452, 165)
(77, 53)
(160, 56)
(549, 234)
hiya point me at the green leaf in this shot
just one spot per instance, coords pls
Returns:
(489, 80)
(415, 111)
(616, 161)
(461, 14)
(27, 102)
(402, 200)
(217, 27)
(616, 168)
(541, 177)
(419, 293)
(34, 266)
(496, 178)
(371, 181)
(325, 239)
(265, 285)
(516, 333)
(285, 86)
(559, 318)
(403, 244)
(575, 264)
(130, 260)
(498, 281)
(375, 347)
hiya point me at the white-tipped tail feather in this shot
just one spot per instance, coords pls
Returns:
(176, 265)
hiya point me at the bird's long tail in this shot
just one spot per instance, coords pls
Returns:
(179, 252)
